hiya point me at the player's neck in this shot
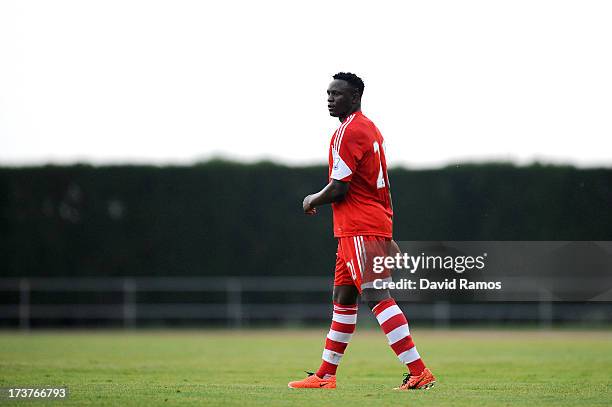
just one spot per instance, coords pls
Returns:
(353, 110)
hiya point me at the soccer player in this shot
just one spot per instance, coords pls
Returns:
(358, 191)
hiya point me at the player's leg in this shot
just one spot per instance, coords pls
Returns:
(345, 294)
(392, 320)
(344, 319)
(342, 327)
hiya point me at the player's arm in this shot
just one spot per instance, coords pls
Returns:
(335, 191)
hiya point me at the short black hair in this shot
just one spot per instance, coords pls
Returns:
(352, 79)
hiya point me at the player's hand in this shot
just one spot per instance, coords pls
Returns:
(307, 206)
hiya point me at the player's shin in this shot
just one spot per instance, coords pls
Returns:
(342, 328)
(395, 326)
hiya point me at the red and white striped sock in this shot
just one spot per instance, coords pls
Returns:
(395, 326)
(340, 333)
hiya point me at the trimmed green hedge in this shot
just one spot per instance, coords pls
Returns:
(226, 218)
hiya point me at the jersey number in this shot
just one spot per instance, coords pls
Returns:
(380, 182)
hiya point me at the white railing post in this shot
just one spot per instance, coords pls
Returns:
(545, 313)
(24, 304)
(441, 311)
(234, 302)
(129, 307)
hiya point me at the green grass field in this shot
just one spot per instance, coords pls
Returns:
(252, 368)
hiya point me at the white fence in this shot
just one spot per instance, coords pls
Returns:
(19, 307)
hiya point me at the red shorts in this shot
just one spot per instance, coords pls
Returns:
(356, 262)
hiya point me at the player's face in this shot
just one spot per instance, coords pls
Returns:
(340, 98)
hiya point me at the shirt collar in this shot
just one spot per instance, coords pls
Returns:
(357, 113)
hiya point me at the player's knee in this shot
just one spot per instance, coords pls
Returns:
(372, 297)
(345, 295)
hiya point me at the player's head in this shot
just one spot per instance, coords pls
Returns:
(344, 94)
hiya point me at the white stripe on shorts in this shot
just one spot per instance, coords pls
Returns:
(358, 254)
(363, 250)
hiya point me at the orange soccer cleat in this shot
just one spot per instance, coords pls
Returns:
(425, 381)
(314, 382)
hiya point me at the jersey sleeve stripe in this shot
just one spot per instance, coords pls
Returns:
(341, 133)
(338, 132)
(337, 136)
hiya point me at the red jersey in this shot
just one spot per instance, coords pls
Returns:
(356, 154)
